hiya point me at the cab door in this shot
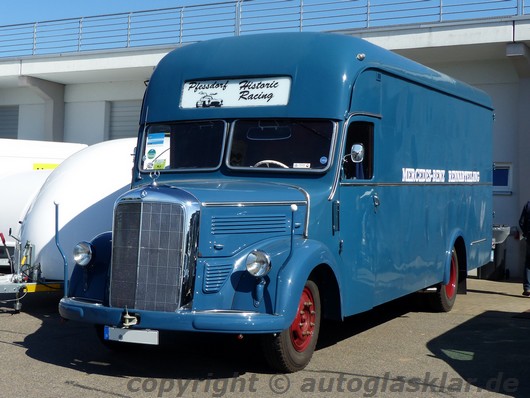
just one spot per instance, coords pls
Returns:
(357, 212)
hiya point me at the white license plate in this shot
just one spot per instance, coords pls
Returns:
(137, 336)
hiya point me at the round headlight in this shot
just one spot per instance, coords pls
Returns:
(258, 263)
(83, 253)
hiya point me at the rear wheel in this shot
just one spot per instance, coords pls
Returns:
(292, 349)
(445, 296)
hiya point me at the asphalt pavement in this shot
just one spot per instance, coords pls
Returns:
(479, 349)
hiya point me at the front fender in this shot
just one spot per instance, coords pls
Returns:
(91, 281)
(245, 285)
(306, 256)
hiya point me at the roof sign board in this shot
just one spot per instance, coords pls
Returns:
(269, 91)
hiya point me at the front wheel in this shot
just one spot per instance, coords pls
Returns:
(292, 349)
(445, 296)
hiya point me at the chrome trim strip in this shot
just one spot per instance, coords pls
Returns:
(475, 242)
(245, 204)
(308, 199)
(399, 184)
(85, 300)
(242, 312)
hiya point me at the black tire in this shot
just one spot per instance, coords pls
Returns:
(445, 296)
(292, 349)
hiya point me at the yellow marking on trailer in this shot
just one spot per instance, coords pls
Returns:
(45, 166)
(39, 287)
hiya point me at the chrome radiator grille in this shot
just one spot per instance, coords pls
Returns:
(147, 256)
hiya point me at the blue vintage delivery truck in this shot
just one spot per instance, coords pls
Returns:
(283, 179)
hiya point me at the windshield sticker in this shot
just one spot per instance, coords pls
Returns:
(159, 164)
(301, 165)
(156, 155)
(236, 93)
(155, 139)
(439, 176)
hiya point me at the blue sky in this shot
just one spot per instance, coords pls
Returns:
(23, 11)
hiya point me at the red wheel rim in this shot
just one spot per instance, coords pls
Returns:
(450, 288)
(303, 326)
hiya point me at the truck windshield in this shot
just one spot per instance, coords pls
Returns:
(187, 145)
(254, 144)
(282, 144)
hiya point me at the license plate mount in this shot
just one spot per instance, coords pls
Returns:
(137, 336)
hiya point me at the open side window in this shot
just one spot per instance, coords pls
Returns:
(358, 157)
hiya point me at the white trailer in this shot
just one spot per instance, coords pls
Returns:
(17, 195)
(26, 155)
(24, 166)
(85, 206)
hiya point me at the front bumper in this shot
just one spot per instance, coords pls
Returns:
(191, 321)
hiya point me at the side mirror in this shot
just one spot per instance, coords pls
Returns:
(357, 153)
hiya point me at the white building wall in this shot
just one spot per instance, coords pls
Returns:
(87, 108)
(523, 145)
(108, 91)
(18, 96)
(86, 122)
(30, 122)
(505, 145)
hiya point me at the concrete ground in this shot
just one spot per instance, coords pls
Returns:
(481, 348)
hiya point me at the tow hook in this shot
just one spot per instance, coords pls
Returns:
(129, 320)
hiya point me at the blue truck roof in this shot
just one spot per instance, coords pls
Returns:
(323, 68)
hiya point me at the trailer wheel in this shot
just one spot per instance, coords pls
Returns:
(292, 349)
(445, 296)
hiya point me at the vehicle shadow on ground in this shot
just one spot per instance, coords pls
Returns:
(76, 345)
(180, 355)
(333, 332)
(490, 352)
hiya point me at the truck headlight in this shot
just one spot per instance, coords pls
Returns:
(83, 253)
(258, 263)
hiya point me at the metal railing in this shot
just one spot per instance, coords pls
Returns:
(179, 25)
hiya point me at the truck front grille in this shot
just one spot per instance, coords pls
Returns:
(150, 266)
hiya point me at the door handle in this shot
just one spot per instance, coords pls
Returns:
(377, 201)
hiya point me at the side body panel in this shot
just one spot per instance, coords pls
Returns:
(432, 183)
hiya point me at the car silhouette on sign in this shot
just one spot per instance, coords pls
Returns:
(207, 101)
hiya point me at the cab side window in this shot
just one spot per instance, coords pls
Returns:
(359, 133)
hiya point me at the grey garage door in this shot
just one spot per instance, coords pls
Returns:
(124, 116)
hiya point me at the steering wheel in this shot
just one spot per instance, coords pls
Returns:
(270, 161)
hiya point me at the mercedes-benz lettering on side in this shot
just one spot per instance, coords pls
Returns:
(294, 178)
